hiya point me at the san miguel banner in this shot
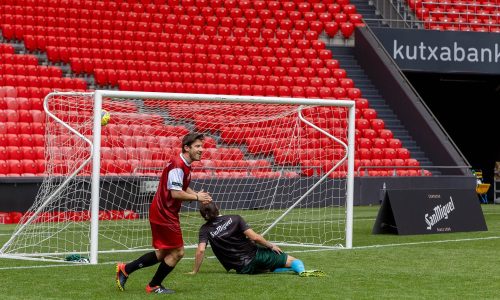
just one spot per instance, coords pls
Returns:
(429, 211)
(442, 51)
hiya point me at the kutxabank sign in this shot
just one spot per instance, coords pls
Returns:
(442, 51)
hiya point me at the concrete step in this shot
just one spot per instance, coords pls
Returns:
(343, 50)
(385, 113)
(361, 76)
(363, 86)
(377, 101)
(347, 64)
(409, 142)
(365, 11)
(362, 6)
(352, 72)
(369, 96)
(390, 124)
(370, 91)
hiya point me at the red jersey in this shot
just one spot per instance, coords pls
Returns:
(164, 209)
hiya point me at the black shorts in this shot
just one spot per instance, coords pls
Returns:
(265, 260)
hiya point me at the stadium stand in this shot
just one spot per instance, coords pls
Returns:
(262, 48)
(479, 16)
(237, 47)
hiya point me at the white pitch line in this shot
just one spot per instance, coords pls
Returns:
(430, 242)
(296, 251)
(400, 244)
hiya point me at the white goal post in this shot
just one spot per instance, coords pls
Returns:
(285, 164)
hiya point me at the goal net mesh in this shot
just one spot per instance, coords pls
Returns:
(259, 160)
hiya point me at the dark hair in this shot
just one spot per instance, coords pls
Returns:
(190, 138)
(209, 211)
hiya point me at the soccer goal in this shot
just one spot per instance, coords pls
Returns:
(284, 164)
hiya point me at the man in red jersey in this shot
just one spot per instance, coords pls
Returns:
(164, 217)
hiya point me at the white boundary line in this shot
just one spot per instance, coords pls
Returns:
(401, 244)
(297, 251)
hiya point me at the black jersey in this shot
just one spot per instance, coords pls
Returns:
(231, 246)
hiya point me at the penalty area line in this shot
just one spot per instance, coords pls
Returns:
(428, 242)
(399, 244)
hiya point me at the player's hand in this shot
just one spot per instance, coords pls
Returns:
(276, 249)
(204, 197)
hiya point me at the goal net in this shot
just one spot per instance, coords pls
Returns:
(283, 164)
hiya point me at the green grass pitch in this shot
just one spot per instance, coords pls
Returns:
(440, 266)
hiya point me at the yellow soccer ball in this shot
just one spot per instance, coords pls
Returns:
(105, 117)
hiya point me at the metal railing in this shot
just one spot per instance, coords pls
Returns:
(399, 14)
(317, 170)
(214, 170)
(392, 14)
(364, 170)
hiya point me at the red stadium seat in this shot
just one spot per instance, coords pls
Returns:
(13, 140)
(369, 114)
(4, 168)
(27, 140)
(385, 134)
(15, 167)
(331, 28)
(11, 127)
(403, 153)
(29, 167)
(412, 163)
(346, 28)
(369, 133)
(390, 153)
(379, 143)
(364, 153)
(362, 124)
(377, 153)
(353, 93)
(394, 143)
(365, 143)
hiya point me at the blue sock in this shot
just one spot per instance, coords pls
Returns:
(298, 266)
(282, 270)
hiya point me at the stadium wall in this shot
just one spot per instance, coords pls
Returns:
(19, 194)
(370, 190)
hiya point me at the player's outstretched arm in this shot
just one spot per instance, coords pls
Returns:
(198, 259)
(259, 239)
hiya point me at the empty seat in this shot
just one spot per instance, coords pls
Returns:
(15, 167)
(403, 153)
(29, 167)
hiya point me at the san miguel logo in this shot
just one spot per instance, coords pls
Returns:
(440, 212)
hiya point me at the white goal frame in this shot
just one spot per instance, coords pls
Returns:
(95, 145)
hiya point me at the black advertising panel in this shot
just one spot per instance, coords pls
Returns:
(442, 51)
(427, 211)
